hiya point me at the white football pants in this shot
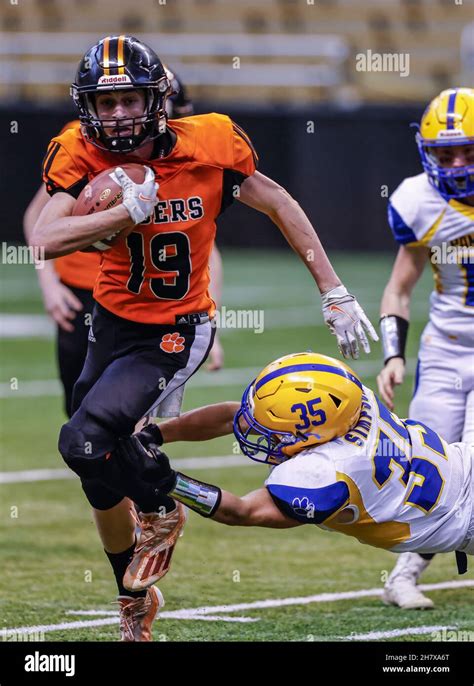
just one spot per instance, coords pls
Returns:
(444, 387)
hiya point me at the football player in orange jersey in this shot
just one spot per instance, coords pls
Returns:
(151, 327)
(67, 283)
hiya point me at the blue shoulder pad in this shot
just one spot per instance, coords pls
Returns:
(309, 505)
(401, 231)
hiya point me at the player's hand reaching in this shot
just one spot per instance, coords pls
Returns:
(138, 198)
(347, 320)
(391, 375)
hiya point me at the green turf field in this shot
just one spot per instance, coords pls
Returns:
(51, 559)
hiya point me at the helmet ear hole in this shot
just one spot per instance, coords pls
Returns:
(337, 401)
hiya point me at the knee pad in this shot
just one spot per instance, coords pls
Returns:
(98, 495)
(79, 452)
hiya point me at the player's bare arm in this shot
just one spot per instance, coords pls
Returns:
(267, 196)
(59, 233)
(254, 509)
(201, 424)
(258, 509)
(395, 313)
(342, 313)
(407, 269)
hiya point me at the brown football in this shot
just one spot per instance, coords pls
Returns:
(102, 193)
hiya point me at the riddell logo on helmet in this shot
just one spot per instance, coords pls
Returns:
(112, 80)
(452, 133)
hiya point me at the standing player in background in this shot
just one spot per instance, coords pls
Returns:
(153, 313)
(68, 282)
(432, 217)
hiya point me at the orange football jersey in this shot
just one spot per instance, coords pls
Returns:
(160, 271)
(79, 269)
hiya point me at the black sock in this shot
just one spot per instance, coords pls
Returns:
(120, 562)
(427, 556)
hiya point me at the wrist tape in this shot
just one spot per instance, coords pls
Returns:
(394, 331)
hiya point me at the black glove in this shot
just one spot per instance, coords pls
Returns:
(151, 435)
(141, 455)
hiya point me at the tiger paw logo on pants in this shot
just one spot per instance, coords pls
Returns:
(172, 343)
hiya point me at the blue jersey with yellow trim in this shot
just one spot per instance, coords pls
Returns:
(419, 215)
(391, 483)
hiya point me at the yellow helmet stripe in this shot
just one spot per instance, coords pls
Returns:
(308, 368)
(106, 56)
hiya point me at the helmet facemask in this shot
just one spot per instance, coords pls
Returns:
(268, 446)
(451, 182)
(264, 445)
(152, 123)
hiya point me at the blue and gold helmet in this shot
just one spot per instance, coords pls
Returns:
(296, 402)
(448, 121)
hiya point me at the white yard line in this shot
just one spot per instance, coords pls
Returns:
(302, 600)
(63, 626)
(31, 389)
(393, 633)
(32, 475)
(215, 462)
(26, 326)
(319, 598)
(107, 621)
(209, 618)
(13, 326)
(236, 376)
(212, 613)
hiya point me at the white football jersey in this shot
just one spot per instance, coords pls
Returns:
(419, 215)
(400, 485)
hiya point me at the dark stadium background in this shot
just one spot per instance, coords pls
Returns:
(336, 173)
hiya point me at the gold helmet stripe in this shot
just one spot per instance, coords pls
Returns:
(120, 61)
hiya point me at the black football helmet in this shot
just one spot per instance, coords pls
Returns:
(125, 63)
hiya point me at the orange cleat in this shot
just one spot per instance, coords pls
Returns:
(155, 545)
(137, 615)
